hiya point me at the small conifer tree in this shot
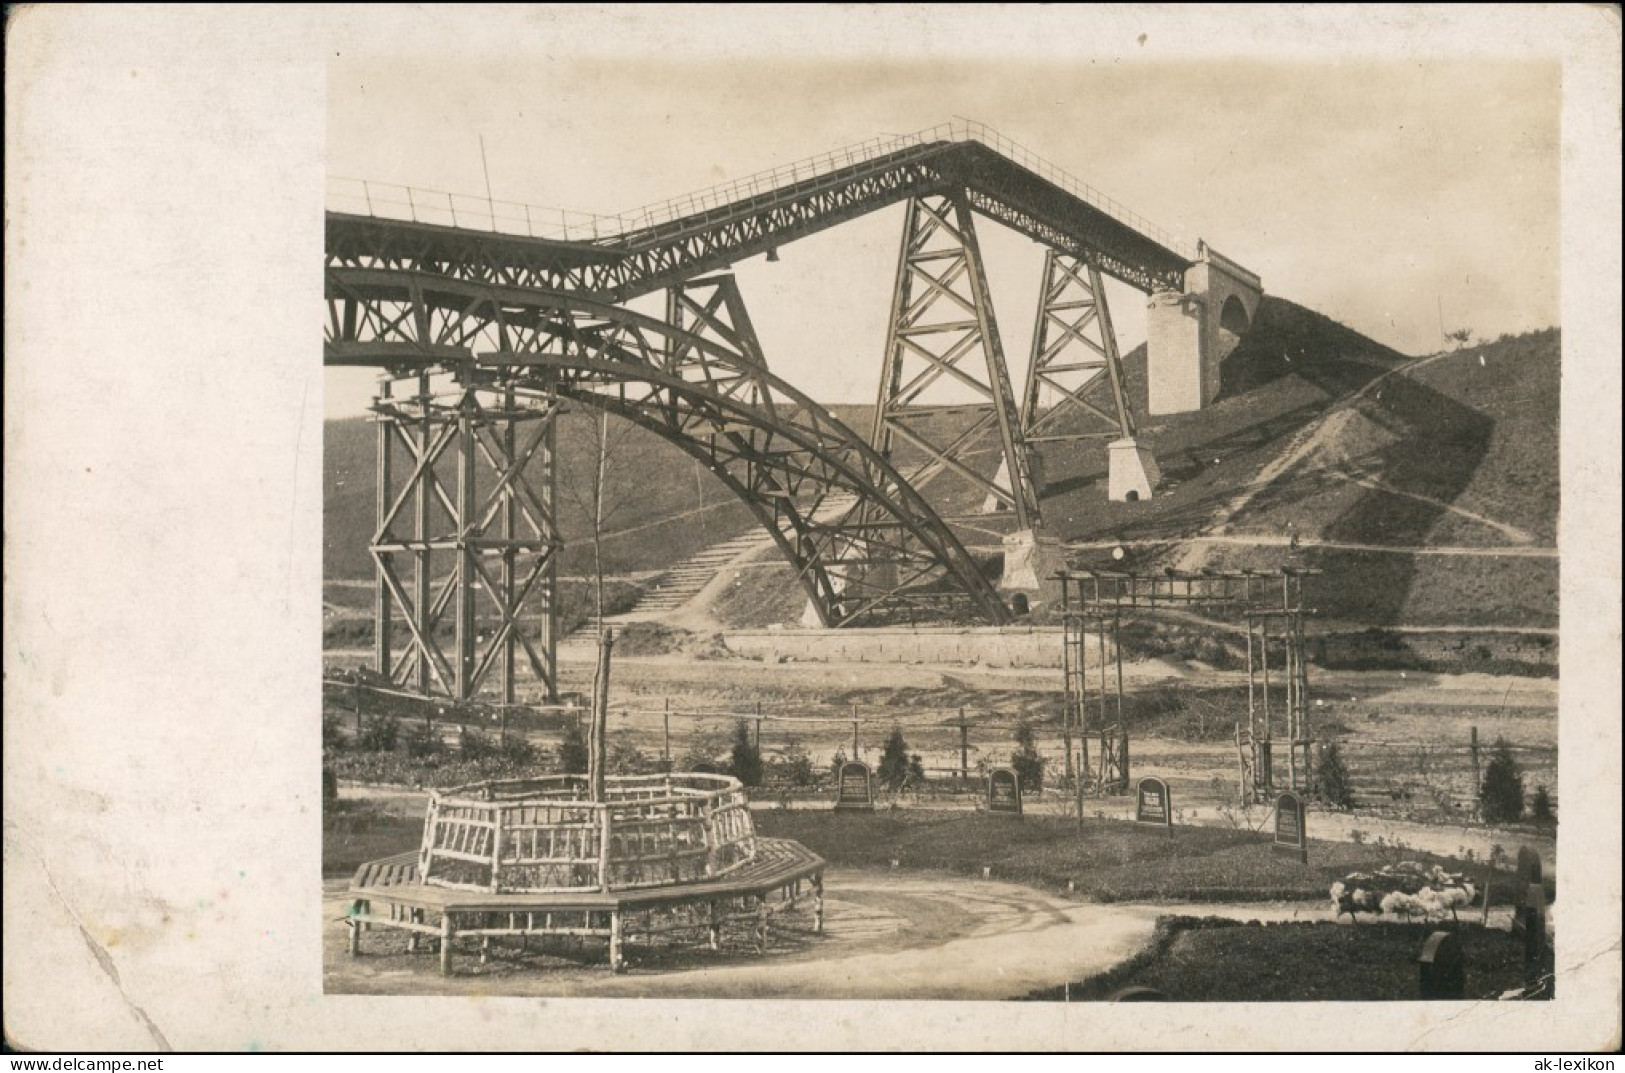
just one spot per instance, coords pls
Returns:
(1500, 799)
(746, 763)
(893, 768)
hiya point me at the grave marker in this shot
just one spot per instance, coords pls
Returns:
(1004, 791)
(1529, 904)
(1529, 871)
(1533, 915)
(1443, 967)
(854, 789)
(1153, 805)
(1290, 834)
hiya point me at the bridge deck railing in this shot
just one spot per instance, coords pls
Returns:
(366, 197)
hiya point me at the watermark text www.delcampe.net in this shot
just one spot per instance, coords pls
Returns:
(90, 1065)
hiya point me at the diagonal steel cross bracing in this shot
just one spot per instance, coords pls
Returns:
(468, 529)
(697, 379)
(504, 325)
(642, 261)
(1074, 387)
(943, 355)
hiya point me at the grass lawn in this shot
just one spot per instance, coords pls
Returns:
(1209, 960)
(354, 832)
(1110, 860)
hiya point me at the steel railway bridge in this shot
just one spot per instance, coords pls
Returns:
(485, 318)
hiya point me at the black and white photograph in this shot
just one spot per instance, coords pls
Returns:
(975, 514)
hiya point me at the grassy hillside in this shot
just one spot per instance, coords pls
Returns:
(1292, 368)
(1457, 450)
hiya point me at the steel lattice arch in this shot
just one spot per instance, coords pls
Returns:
(482, 335)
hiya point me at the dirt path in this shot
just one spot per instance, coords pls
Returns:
(888, 935)
(1269, 540)
(1309, 441)
(1511, 532)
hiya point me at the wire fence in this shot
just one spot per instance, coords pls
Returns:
(950, 744)
(950, 749)
(393, 201)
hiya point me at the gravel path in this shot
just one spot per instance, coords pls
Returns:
(889, 935)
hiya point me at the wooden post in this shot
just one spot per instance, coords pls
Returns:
(1100, 634)
(1122, 721)
(964, 748)
(617, 961)
(355, 928)
(818, 904)
(713, 925)
(761, 924)
(1264, 660)
(496, 849)
(447, 934)
(758, 727)
(1252, 670)
(1478, 776)
(1291, 704)
(1243, 790)
(358, 705)
(598, 748)
(855, 755)
(603, 846)
(665, 734)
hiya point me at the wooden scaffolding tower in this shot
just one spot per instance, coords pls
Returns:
(1268, 605)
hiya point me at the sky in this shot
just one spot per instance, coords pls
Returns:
(1399, 196)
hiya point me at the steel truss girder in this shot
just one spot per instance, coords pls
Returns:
(1143, 276)
(940, 268)
(1074, 385)
(646, 261)
(641, 262)
(707, 391)
(479, 485)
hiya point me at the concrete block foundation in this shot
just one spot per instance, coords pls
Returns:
(1131, 471)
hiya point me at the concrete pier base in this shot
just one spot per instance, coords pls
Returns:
(1131, 471)
(1031, 562)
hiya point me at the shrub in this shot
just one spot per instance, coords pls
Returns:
(330, 785)
(421, 741)
(746, 760)
(1332, 778)
(796, 768)
(626, 758)
(893, 770)
(1028, 765)
(332, 733)
(836, 762)
(517, 750)
(1500, 799)
(473, 744)
(571, 756)
(379, 734)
